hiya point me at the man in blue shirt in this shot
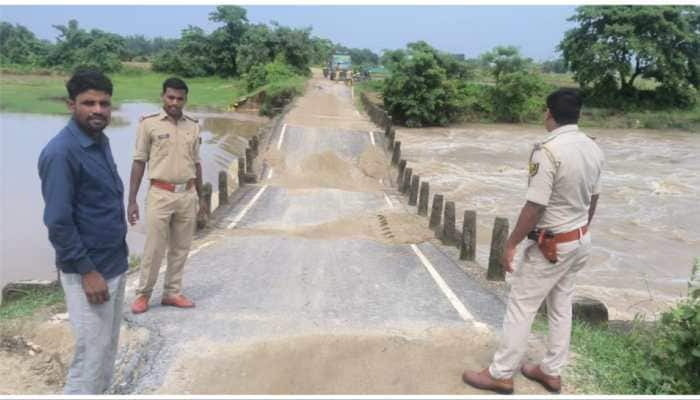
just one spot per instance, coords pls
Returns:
(85, 217)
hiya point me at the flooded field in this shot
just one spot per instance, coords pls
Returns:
(25, 250)
(647, 228)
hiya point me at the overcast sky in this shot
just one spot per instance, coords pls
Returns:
(471, 30)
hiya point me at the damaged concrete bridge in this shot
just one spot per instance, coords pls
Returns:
(317, 279)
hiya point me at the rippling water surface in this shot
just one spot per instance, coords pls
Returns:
(25, 250)
(647, 229)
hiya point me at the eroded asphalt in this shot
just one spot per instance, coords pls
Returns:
(258, 289)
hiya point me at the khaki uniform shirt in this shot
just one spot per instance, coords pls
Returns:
(565, 172)
(171, 148)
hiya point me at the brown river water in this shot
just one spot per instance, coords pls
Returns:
(25, 251)
(647, 228)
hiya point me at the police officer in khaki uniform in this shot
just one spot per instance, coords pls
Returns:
(563, 189)
(169, 142)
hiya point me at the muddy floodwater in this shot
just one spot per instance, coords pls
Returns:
(647, 228)
(25, 250)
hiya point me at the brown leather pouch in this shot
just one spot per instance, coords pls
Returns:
(547, 245)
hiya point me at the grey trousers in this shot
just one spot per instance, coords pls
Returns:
(96, 331)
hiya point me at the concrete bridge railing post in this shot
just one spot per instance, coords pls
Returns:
(396, 156)
(406, 184)
(249, 158)
(436, 213)
(467, 249)
(223, 187)
(241, 171)
(498, 245)
(391, 138)
(449, 229)
(413, 196)
(423, 198)
(402, 168)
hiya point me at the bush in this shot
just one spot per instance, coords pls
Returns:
(518, 97)
(657, 358)
(261, 75)
(419, 93)
(280, 93)
(474, 100)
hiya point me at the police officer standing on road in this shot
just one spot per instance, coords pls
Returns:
(563, 189)
(169, 142)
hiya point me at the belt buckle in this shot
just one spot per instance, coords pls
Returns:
(179, 188)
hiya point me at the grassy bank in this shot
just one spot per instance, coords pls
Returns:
(26, 304)
(44, 91)
(636, 357)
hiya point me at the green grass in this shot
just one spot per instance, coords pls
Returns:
(26, 304)
(608, 361)
(373, 86)
(44, 93)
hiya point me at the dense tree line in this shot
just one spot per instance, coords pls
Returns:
(609, 53)
(235, 48)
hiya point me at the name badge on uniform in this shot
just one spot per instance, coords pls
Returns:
(534, 167)
(164, 136)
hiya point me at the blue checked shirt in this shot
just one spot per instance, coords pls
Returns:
(84, 198)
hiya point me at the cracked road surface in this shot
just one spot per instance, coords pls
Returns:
(318, 280)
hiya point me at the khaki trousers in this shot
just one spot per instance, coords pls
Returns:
(170, 223)
(533, 281)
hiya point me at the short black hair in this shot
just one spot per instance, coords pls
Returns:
(565, 106)
(85, 79)
(175, 83)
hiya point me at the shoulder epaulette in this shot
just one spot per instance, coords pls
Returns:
(193, 119)
(148, 116)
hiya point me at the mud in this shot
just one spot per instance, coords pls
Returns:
(328, 104)
(429, 362)
(36, 354)
(388, 228)
(329, 170)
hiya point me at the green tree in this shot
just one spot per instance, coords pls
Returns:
(76, 47)
(391, 58)
(322, 49)
(295, 46)
(504, 60)
(192, 56)
(557, 66)
(137, 47)
(418, 92)
(19, 45)
(256, 48)
(224, 41)
(518, 96)
(613, 46)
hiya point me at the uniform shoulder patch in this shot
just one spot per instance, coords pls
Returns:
(193, 119)
(146, 116)
(533, 168)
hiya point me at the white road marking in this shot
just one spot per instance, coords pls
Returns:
(456, 303)
(388, 201)
(279, 144)
(371, 138)
(245, 210)
(198, 249)
(269, 174)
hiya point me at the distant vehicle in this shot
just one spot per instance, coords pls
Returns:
(340, 67)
